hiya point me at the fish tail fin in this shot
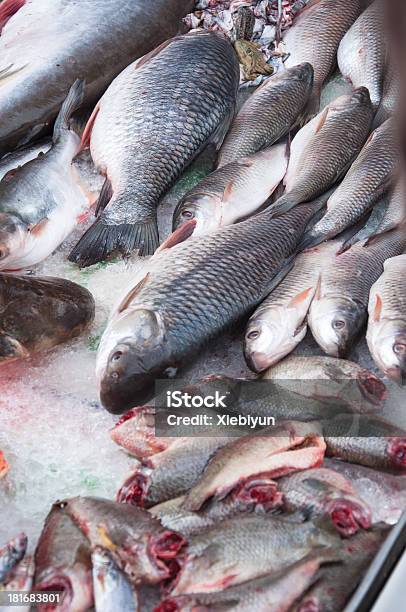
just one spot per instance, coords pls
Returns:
(309, 241)
(103, 239)
(284, 204)
(312, 107)
(71, 103)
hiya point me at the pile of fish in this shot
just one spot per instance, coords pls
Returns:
(301, 223)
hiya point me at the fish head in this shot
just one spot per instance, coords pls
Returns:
(11, 349)
(388, 348)
(302, 72)
(271, 337)
(13, 235)
(134, 352)
(336, 322)
(204, 208)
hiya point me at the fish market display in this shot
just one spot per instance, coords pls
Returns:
(148, 335)
(324, 148)
(106, 38)
(233, 191)
(39, 313)
(368, 178)
(315, 36)
(339, 309)
(362, 51)
(147, 128)
(42, 201)
(386, 333)
(268, 114)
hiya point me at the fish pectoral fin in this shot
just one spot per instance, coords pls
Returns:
(299, 298)
(322, 120)
(9, 8)
(131, 294)
(376, 315)
(104, 198)
(39, 227)
(181, 234)
(87, 132)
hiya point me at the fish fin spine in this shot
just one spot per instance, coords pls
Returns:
(71, 103)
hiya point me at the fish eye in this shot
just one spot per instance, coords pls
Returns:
(399, 348)
(187, 214)
(338, 324)
(116, 356)
(254, 334)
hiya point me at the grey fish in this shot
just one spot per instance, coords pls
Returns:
(145, 131)
(337, 582)
(11, 554)
(385, 493)
(315, 36)
(63, 562)
(324, 148)
(338, 311)
(367, 180)
(243, 548)
(39, 313)
(367, 441)
(386, 333)
(62, 32)
(270, 593)
(11, 161)
(112, 590)
(321, 491)
(362, 52)
(269, 114)
(42, 201)
(189, 294)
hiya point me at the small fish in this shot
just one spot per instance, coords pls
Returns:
(268, 114)
(112, 590)
(315, 36)
(386, 333)
(324, 148)
(338, 311)
(21, 579)
(37, 314)
(233, 192)
(291, 446)
(42, 201)
(147, 128)
(321, 491)
(330, 380)
(366, 181)
(11, 554)
(244, 548)
(362, 51)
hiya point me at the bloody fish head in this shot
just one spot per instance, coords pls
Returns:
(183, 603)
(396, 449)
(260, 493)
(134, 489)
(371, 387)
(13, 232)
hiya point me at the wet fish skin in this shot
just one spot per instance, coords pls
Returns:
(11, 554)
(330, 380)
(63, 563)
(367, 441)
(233, 191)
(13, 160)
(315, 36)
(321, 491)
(339, 309)
(42, 201)
(32, 91)
(367, 180)
(268, 114)
(137, 542)
(338, 581)
(362, 52)
(156, 95)
(156, 327)
(243, 548)
(112, 591)
(289, 447)
(39, 313)
(270, 593)
(386, 332)
(323, 149)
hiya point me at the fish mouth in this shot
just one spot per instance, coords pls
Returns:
(348, 516)
(134, 490)
(257, 361)
(372, 388)
(396, 450)
(61, 584)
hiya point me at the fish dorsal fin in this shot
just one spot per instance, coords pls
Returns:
(132, 293)
(87, 132)
(376, 315)
(299, 298)
(181, 234)
(317, 293)
(322, 120)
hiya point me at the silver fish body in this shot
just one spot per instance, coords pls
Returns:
(189, 294)
(386, 333)
(269, 114)
(153, 120)
(112, 590)
(62, 32)
(11, 161)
